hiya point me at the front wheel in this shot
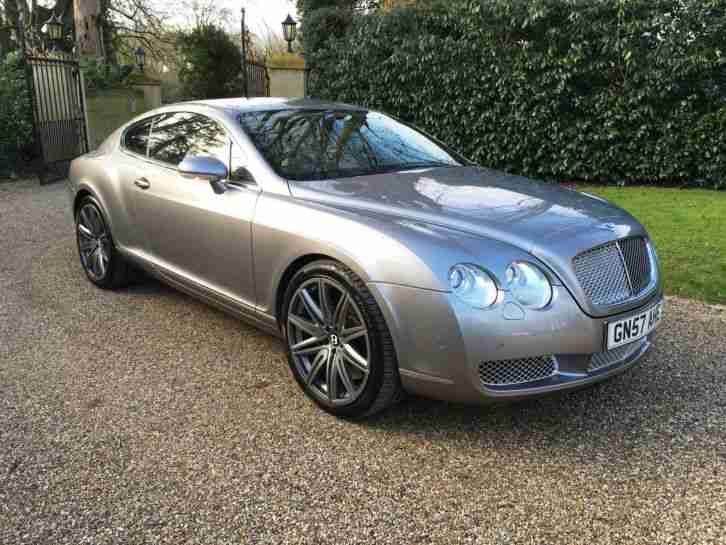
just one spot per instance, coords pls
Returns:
(338, 345)
(100, 260)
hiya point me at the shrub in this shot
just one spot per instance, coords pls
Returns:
(15, 112)
(100, 75)
(210, 63)
(596, 90)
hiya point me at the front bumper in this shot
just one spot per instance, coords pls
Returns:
(441, 343)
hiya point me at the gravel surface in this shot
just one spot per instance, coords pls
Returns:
(143, 416)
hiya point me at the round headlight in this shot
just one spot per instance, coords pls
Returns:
(530, 287)
(473, 285)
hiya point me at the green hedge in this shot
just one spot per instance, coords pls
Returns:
(16, 128)
(596, 90)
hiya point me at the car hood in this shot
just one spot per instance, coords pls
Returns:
(548, 221)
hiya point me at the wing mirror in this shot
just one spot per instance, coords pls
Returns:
(205, 168)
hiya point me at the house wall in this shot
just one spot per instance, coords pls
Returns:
(107, 110)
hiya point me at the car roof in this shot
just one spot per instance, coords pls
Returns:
(268, 103)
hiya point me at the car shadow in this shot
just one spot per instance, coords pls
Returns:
(650, 411)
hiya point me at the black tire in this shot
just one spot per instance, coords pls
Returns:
(116, 273)
(383, 387)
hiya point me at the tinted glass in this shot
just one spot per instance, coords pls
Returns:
(314, 144)
(237, 162)
(137, 137)
(179, 135)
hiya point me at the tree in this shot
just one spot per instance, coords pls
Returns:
(210, 62)
(207, 12)
(126, 24)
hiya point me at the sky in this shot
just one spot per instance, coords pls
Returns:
(263, 16)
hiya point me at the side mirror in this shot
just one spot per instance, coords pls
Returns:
(204, 168)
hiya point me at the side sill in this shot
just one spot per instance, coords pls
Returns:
(231, 306)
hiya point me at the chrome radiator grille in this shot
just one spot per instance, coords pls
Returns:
(507, 372)
(614, 272)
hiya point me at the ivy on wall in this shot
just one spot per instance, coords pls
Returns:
(595, 90)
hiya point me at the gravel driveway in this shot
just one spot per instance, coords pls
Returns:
(143, 416)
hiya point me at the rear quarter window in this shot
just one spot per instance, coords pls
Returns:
(136, 138)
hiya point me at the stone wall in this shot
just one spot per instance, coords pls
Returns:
(108, 109)
(286, 82)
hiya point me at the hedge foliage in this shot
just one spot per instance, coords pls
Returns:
(209, 63)
(596, 90)
(16, 127)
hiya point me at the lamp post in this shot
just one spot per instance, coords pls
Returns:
(289, 31)
(244, 55)
(140, 55)
(53, 29)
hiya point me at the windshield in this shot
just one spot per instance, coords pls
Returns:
(316, 144)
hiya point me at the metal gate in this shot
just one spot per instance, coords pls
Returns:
(58, 111)
(258, 81)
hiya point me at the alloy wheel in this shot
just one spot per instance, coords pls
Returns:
(94, 243)
(329, 341)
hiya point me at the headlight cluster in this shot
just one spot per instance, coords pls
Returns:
(473, 285)
(528, 285)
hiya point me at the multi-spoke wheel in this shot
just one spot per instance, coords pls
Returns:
(339, 347)
(100, 260)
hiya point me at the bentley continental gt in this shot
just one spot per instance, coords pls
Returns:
(386, 261)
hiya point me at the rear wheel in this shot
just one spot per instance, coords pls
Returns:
(338, 345)
(100, 260)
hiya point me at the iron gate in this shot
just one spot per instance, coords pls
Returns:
(258, 81)
(58, 111)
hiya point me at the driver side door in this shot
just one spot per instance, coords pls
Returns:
(200, 237)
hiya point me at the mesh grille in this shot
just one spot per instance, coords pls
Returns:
(615, 272)
(637, 260)
(506, 372)
(616, 355)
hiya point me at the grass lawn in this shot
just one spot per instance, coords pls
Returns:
(689, 230)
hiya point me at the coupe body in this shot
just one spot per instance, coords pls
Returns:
(387, 262)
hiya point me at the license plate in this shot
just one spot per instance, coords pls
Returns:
(635, 327)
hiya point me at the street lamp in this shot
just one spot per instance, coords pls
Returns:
(54, 28)
(140, 55)
(289, 31)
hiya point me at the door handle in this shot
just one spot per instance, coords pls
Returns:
(143, 183)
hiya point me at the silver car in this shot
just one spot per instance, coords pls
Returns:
(387, 262)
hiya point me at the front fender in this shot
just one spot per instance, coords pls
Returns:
(377, 248)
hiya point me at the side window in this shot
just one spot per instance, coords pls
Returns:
(179, 135)
(137, 137)
(207, 138)
(168, 142)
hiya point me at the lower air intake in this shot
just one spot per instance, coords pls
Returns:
(520, 371)
(616, 355)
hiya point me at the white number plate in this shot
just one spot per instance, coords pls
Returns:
(636, 327)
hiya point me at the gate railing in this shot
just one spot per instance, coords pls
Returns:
(56, 84)
(258, 81)
(58, 109)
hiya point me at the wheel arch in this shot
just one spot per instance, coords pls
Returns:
(287, 276)
(80, 195)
